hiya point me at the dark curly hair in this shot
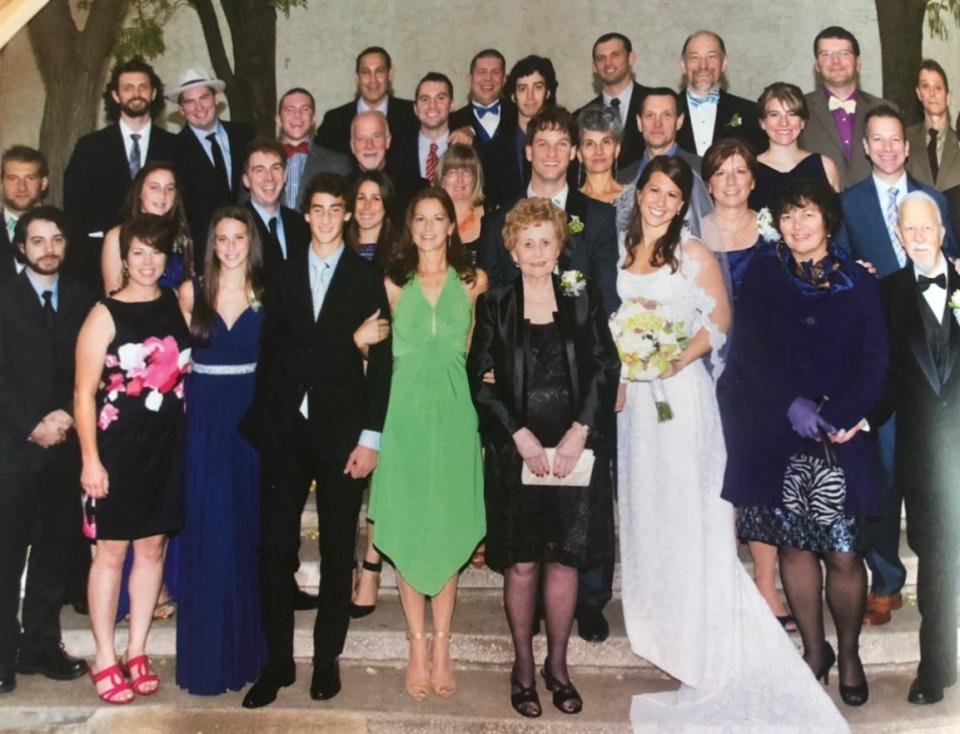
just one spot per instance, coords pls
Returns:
(136, 64)
(665, 249)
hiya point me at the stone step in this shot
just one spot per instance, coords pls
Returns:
(373, 701)
(308, 575)
(481, 637)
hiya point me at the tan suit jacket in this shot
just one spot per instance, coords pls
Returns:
(820, 135)
(918, 165)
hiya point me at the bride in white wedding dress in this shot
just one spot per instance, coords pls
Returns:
(689, 606)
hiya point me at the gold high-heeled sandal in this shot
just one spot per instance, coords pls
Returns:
(418, 689)
(448, 686)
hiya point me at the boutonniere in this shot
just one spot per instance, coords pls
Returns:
(572, 282)
(575, 226)
(954, 304)
(735, 121)
(765, 227)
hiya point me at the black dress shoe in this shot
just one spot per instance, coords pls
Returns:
(326, 679)
(52, 662)
(592, 625)
(302, 600)
(8, 680)
(921, 694)
(264, 691)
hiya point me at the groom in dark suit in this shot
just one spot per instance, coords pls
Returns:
(591, 249)
(923, 391)
(40, 316)
(317, 416)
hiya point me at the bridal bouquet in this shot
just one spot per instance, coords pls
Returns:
(648, 341)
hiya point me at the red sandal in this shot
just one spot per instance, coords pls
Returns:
(115, 694)
(142, 663)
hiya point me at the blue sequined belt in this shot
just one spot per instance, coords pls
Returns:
(223, 369)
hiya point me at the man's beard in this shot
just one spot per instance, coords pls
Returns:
(41, 270)
(129, 111)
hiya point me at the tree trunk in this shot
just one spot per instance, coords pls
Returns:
(901, 49)
(252, 80)
(73, 65)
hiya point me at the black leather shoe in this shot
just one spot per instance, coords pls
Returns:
(52, 662)
(8, 680)
(302, 600)
(264, 691)
(592, 625)
(325, 683)
(921, 694)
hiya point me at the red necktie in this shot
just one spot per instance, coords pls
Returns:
(432, 161)
(292, 150)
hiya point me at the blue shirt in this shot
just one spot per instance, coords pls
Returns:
(223, 140)
(266, 217)
(41, 287)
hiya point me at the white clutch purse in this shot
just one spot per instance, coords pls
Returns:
(579, 477)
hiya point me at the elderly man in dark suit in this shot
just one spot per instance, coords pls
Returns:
(923, 391)
(935, 158)
(296, 113)
(23, 176)
(613, 60)
(210, 154)
(104, 162)
(839, 107)
(40, 317)
(710, 112)
(374, 75)
(317, 416)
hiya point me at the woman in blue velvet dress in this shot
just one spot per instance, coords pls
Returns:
(807, 362)
(220, 642)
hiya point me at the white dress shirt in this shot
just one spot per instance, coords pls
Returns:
(362, 106)
(560, 199)
(144, 141)
(624, 98)
(10, 218)
(934, 295)
(423, 144)
(703, 118)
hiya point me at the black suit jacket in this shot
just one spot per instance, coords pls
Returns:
(593, 251)
(501, 342)
(927, 409)
(317, 358)
(297, 233)
(403, 169)
(502, 178)
(728, 107)
(36, 372)
(95, 185)
(202, 191)
(631, 147)
(334, 130)
(7, 255)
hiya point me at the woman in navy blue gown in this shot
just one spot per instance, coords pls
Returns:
(220, 642)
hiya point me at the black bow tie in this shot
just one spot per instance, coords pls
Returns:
(923, 282)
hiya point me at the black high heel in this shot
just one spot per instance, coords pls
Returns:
(563, 693)
(855, 695)
(522, 698)
(362, 610)
(829, 658)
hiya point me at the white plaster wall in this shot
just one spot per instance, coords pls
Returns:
(316, 46)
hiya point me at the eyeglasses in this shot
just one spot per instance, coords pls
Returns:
(842, 54)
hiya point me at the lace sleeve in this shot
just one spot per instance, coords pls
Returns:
(703, 271)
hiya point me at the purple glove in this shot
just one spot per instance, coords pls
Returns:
(805, 419)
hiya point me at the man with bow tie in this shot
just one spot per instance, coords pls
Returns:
(296, 115)
(869, 232)
(923, 391)
(839, 107)
(709, 112)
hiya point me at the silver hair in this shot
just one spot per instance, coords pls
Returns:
(919, 195)
(369, 113)
(600, 119)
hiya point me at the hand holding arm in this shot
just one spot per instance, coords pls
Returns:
(372, 331)
(569, 449)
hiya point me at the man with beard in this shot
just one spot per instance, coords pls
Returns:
(104, 162)
(40, 317)
(23, 174)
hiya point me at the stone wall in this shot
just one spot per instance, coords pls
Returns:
(316, 46)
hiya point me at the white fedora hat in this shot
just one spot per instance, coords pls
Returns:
(195, 76)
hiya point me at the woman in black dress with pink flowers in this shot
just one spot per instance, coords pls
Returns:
(132, 357)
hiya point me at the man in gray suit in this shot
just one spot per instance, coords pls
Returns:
(839, 106)
(296, 114)
(935, 149)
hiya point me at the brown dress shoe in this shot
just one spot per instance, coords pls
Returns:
(879, 608)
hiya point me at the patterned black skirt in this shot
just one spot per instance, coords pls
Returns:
(784, 528)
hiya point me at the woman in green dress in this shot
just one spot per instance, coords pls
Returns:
(427, 493)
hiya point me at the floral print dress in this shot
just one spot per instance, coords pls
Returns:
(140, 419)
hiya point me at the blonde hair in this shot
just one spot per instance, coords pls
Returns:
(458, 156)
